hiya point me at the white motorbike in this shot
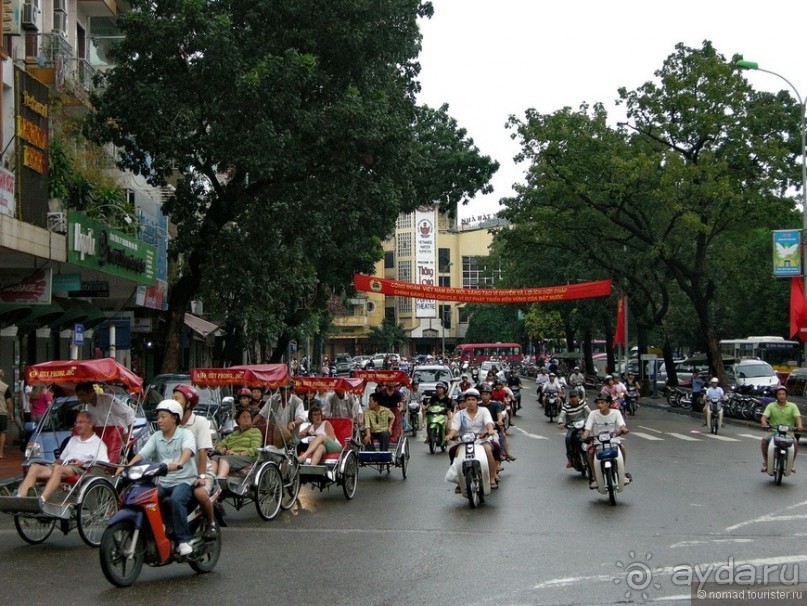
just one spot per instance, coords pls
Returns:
(714, 414)
(471, 472)
(609, 466)
(781, 451)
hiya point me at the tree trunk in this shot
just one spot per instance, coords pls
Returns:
(179, 302)
(707, 330)
(588, 353)
(642, 330)
(669, 363)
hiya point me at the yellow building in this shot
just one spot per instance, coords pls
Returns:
(458, 251)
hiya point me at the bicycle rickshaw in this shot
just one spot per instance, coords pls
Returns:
(398, 453)
(90, 498)
(272, 482)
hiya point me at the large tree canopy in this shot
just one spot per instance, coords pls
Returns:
(293, 136)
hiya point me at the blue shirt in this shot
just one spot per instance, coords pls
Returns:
(169, 451)
(697, 385)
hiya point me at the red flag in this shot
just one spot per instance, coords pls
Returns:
(798, 308)
(619, 331)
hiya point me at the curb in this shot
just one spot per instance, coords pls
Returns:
(662, 405)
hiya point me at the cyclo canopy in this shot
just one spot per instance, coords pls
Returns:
(67, 373)
(271, 376)
(382, 376)
(354, 385)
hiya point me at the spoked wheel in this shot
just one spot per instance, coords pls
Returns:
(118, 540)
(268, 490)
(33, 529)
(432, 439)
(609, 479)
(350, 477)
(413, 421)
(778, 469)
(405, 458)
(686, 402)
(291, 484)
(207, 561)
(99, 503)
(472, 488)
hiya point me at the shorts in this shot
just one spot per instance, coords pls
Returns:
(237, 462)
(332, 446)
(3, 423)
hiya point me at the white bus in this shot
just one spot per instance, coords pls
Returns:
(780, 353)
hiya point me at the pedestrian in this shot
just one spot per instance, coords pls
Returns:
(6, 409)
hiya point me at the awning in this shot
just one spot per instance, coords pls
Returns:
(201, 327)
(13, 313)
(42, 315)
(77, 311)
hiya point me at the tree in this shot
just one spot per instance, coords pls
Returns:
(493, 323)
(294, 139)
(388, 337)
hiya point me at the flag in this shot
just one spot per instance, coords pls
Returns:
(798, 308)
(619, 331)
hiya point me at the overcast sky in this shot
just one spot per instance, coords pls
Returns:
(490, 59)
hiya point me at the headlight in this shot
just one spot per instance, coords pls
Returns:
(468, 438)
(136, 472)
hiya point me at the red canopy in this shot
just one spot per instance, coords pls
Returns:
(350, 385)
(271, 376)
(69, 372)
(382, 376)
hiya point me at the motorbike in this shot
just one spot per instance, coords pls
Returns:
(471, 472)
(631, 400)
(516, 405)
(579, 458)
(609, 466)
(781, 450)
(136, 534)
(436, 427)
(552, 405)
(714, 414)
(475, 374)
(414, 416)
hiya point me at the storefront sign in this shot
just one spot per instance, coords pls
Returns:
(32, 104)
(25, 286)
(425, 253)
(8, 206)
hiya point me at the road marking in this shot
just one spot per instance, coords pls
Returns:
(723, 438)
(748, 435)
(528, 434)
(709, 541)
(764, 518)
(646, 436)
(650, 429)
(681, 436)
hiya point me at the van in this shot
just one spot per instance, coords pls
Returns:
(754, 372)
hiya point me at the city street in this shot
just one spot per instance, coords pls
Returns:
(697, 502)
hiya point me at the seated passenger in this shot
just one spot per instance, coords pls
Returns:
(83, 447)
(238, 449)
(322, 438)
(379, 421)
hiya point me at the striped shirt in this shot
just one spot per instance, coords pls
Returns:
(572, 414)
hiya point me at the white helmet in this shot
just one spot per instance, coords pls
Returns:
(172, 406)
(472, 393)
(714, 380)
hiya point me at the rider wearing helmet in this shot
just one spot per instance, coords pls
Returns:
(780, 412)
(200, 428)
(713, 391)
(175, 447)
(440, 398)
(496, 409)
(475, 419)
(604, 419)
(244, 398)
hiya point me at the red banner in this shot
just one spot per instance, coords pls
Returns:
(798, 308)
(619, 331)
(395, 288)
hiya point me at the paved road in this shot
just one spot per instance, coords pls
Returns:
(542, 538)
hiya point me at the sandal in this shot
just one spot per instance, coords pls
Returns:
(764, 469)
(494, 485)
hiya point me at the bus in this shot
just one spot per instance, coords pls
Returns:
(783, 355)
(479, 352)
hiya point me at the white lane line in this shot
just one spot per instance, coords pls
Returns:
(646, 436)
(529, 435)
(748, 435)
(718, 437)
(650, 429)
(709, 542)
(765, 518)
(681, 436)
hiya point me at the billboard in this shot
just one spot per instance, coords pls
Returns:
(786, 253)
(425, 258)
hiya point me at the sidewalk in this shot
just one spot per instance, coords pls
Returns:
(11, 464)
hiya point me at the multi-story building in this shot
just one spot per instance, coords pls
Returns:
(426, 247)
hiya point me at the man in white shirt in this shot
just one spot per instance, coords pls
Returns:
(284, 413)
(104, 408)
(82, 448)
(604, 419)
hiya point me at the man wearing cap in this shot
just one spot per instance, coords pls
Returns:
(780, 412)
(713, 391)
(284, 413)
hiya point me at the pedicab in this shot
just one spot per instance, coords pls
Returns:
(340, 468)
(398, 453)
(272, 482)
(89, 498)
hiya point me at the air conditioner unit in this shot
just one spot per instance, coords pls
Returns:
(29, 14)
(60, 5)
(57, 223)
(60, 23)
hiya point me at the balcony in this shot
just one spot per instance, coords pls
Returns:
(350, 321)
(98, 8)
(49, 58)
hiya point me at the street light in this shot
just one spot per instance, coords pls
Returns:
(742, 64)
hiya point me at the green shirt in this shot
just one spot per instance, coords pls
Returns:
(781, 415)
(249, 440)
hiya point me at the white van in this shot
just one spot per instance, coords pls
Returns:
(752, 371)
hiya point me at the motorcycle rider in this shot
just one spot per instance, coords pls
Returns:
(477, 420)
(780, 412)
(713, 391)
(577, 379)
(572, 411)
(175, 447)
(540, 380)
(552, 386)
(496, 409)
(200, 428)
(244, 398)
(465, 384)
(440, 398)
(609, 388)
(599, 421)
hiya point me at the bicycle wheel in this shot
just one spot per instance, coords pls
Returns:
(291, 484)
(268, 489)
(99, 503)
(33, 529)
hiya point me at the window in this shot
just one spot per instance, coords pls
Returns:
(405, 271)
(404, 245)
(444, 281)
(404, 221)
(389, 314)
(389, 260)
(404, 305)
(476, 274)
(445, 316)
(444, 260)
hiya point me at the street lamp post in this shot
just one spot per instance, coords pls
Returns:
(742, 64)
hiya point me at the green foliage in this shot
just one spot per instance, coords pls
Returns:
(492, 323)
(387, 337)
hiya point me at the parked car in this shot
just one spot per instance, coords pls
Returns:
(797, 383)
(361, 362)
(343, 364)
(753, 372)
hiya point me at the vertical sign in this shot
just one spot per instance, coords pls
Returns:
(425, 258)
(7, 204)
(786, 253)
(32, 106)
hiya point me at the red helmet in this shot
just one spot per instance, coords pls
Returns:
(190, 394)
(244, 391)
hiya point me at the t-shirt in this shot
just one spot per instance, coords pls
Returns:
(200, 428)
(463, 423)
(346, 407)
(572, 414)
(389, 400)
(494, 407)
(600, 423)
(108, 407)
(85, 450)
(445, 403)
(5, 394)
(781, 415)
(169, 451)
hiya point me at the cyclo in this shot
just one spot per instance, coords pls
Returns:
(89, 498)
(272, 482)
(398, 453)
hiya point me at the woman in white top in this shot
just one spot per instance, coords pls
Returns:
(324, 438)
